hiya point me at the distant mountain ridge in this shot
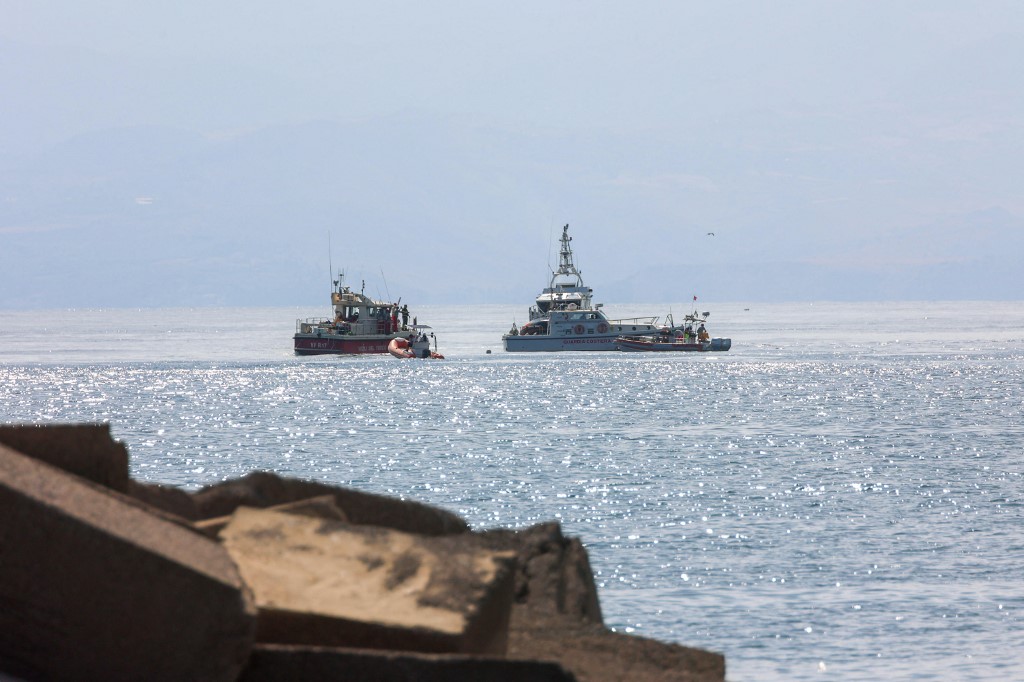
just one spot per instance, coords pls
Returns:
(162, 216)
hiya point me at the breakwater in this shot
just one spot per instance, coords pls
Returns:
(265, 577)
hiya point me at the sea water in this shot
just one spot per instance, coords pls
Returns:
(840, 496)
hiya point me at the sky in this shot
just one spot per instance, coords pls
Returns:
(232, 153)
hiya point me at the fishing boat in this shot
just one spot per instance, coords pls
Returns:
(360, 325)
(564, 316)
(690, 336)
(417, 346)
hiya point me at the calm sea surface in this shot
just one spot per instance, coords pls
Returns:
(840, 496)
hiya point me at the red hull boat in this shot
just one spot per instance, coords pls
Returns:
(361, 325)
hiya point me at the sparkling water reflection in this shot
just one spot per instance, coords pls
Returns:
(824, 497)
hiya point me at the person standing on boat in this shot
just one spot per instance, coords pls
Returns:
(405, 316)
(702, 333)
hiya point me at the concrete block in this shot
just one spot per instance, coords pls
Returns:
(553, 571)
(164, 497)
(593, 654)
(263, 489)
(327, 583)
(323, 507)
(86, 450)
(93, 587)
(276, 663)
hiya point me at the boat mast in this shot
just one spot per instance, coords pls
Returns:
(565, 265)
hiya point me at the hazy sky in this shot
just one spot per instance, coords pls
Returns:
(618, 66)
(810, 136)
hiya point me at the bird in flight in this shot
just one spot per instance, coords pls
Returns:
(711, 234)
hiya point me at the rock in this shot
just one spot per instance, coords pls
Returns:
(328, 583)
(553, 574)
(264, 489)
(322, 507)
(274, 663)
(594, 654)
(95, 587)
(166, 498)
(557, 617)
(86, 450)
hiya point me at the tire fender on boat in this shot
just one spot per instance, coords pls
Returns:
(578, 329)
(602, 328)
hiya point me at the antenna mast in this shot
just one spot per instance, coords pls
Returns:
(330, 264)
(385, 283)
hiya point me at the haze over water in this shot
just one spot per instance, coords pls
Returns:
(840, 496)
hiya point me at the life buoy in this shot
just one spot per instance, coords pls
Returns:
(602, 328)
(578, 329)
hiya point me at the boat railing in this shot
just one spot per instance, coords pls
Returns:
(311, 324)
(622, 321)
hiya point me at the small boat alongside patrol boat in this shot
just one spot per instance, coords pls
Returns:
(417, 346)
(672, 338)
